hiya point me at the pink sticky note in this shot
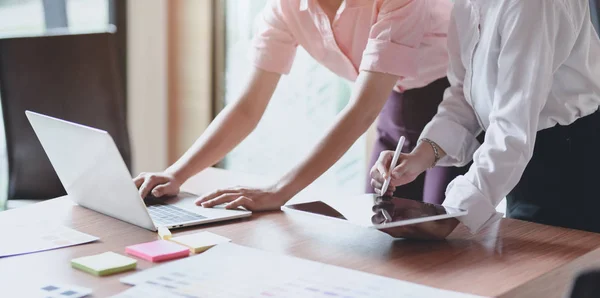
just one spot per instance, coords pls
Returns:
(157, 251)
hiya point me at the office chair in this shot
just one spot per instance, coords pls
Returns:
(73, 77)
(594, 10)
(586, 285)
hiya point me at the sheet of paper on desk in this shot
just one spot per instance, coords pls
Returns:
(230, 270)
(146, 291)
(22, 240)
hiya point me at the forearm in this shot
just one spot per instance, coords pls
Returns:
(338, 140)
(228, 129)
(370, 93)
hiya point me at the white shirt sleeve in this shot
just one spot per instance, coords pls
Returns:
(529, 32)
(455, 127)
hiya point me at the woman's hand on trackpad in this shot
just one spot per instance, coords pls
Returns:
(253, 199)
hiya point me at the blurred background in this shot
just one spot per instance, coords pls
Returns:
(172, 66)
(154, 73)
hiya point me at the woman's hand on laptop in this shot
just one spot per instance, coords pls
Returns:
(157, 184)
(253, 199)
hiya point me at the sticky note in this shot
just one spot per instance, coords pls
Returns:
(199, 242)
(164, 233)
(157, 251)
(104, 264)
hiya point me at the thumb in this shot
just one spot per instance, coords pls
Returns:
(164, 190)
(401, 169)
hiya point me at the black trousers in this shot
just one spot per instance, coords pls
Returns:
(561, 183)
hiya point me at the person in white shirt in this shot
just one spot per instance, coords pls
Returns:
(528, 74)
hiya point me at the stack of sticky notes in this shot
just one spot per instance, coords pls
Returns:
(164, 233)
(157, 251)
(104, 264)
(200, 242)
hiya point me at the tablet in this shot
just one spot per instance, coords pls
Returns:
(377, 212)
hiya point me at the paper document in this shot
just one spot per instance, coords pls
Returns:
(146, 291)
(22, 240)
(232, 271)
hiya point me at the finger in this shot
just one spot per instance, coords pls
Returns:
(211, 196)
(390, 191)
(384, 204)
(225, 198)
(383, 162)
(139, 180)
(377, 175)
(242, 202)
(167, 189)
(150, 182)
(376, 184)
(377, 218)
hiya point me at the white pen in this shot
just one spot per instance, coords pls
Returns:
(386, 184)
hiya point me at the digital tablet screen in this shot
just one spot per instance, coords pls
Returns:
(376, 211)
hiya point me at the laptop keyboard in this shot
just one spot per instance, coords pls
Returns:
(165, 215)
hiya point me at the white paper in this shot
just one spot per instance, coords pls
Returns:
(230, 270)
(146, 291)
(55, 291)
(22, 240)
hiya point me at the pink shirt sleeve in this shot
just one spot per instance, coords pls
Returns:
(274, 47)
(395, 37)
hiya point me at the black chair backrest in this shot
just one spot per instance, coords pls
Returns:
(594, 9)
(72, 77)
(586, 285)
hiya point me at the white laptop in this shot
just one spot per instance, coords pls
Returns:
(95, 176)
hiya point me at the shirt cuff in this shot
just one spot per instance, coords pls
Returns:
(462, 194)
(272, 57)
(458, 143)
(388, 57)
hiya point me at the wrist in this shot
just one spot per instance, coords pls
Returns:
(178, 174)
(426, 153)
(284, 191)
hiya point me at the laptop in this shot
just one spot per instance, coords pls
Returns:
(95, 176)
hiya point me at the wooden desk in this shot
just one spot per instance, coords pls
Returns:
(510, 259)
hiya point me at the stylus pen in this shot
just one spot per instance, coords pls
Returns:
(386, 215)
(386, 183)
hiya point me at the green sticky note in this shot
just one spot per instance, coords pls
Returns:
(104, 264)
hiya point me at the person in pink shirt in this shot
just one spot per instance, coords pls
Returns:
(385, 47)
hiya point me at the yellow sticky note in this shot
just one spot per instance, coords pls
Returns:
(199, 242)
(164, 233)
(104, 264)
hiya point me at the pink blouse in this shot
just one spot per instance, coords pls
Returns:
(406, 38)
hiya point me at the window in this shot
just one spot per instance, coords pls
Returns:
(88, 15)
(303, 107)
(35, 17)
(21, 17)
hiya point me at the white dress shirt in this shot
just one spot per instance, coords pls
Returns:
(516, 67)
